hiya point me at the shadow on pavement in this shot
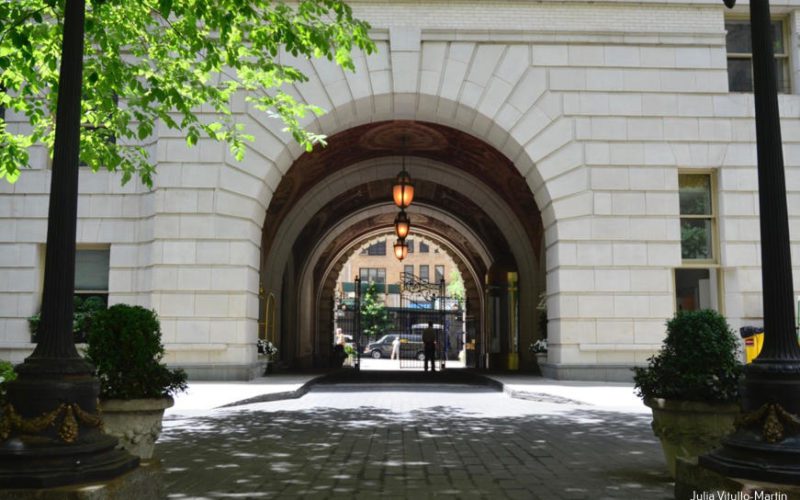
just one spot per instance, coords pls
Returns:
(439, 451)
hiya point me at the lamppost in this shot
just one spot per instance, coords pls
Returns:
(766, 446)
(50, 431)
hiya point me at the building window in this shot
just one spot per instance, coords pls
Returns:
(423, 247)
(696, 289)
(698, 220)
(90, 288)
(740, 55)
(424, 271)
(438, 273)
(410, 245)
(697, 282)
(378, 248)
(408, 271)
(376, 275)
(91, 273)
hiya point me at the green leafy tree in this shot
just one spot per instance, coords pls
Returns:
(374, 316)
(455, 288)
(151, 63)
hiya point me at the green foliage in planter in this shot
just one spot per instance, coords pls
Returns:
(7, 374)
(125, 347)
(697, 362)
(83, 312)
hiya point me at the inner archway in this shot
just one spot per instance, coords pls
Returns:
(470, 199)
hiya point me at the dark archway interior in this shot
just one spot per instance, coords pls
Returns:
(408, 139)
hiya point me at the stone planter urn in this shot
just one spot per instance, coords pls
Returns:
(690, 428)
(541, 358)
(135, 422)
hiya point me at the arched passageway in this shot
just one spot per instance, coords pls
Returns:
(470, 199)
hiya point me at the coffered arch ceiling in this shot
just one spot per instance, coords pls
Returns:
(443, 145)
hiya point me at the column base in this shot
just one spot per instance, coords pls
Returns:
(143, 482)
(692, 480)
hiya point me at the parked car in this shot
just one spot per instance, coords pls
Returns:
(410, 346)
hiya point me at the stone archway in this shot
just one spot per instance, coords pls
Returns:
(470, 197)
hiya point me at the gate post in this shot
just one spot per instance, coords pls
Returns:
(443, 349)
(357, 323)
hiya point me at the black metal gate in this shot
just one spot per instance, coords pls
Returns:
(423, 303)
(348, 319)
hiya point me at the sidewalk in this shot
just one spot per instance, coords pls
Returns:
(609, 396)
(202, 397)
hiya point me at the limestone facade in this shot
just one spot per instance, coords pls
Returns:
(600, 107)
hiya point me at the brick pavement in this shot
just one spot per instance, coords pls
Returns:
(413, 441)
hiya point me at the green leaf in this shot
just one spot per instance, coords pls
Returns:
(165, 74)
(165, 7)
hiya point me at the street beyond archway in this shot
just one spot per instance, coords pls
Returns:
(416, 441)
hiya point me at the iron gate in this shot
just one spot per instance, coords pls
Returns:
(421, 303)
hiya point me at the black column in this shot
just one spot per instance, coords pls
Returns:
(766, 446)
(50, 431)
(357, 323)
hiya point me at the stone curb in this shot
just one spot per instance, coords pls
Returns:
(277, 396)
(484, 380)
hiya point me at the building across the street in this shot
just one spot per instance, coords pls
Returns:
(599, 155)
(375, 263)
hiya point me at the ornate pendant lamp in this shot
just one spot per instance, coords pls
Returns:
(400, 249)
(403, 188)
(403, 194)
(402, 225)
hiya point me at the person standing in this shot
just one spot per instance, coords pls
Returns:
(338, 349)
(395, 348)
(429, 341)
(340, 340)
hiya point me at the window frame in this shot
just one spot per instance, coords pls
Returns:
(713, 218)
(372, 250)
(785, 56)
(436, 269)
(712, 265)
(378, 271)
(427, 273)
(84, 293)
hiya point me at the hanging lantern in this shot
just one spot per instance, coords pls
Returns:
(403, 189)
(400, 249)
(402, 225)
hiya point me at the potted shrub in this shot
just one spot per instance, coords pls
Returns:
(539, 350)
(7, 374)
(350, 355)
(269, 352)
(692, 384)
(125, 347)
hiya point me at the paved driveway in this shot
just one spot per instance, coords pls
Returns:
(420, 441)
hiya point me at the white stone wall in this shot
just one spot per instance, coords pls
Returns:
(598, 116)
